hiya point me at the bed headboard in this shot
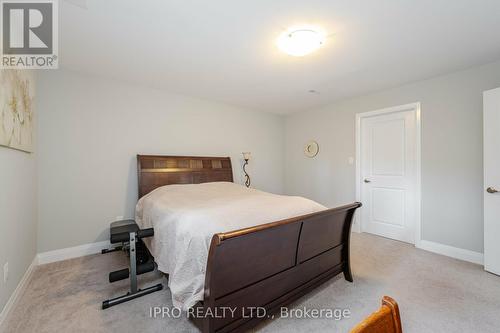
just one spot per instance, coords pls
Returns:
(154, 171)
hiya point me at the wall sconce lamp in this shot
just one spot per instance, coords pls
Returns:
(246, 157)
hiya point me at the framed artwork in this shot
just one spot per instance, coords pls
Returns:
(16, 109)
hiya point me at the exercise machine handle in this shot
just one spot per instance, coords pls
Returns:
(125, 273)
(144, 233)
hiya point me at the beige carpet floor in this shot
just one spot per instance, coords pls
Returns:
(435, 293)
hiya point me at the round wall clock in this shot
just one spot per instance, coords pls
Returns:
(311, 149)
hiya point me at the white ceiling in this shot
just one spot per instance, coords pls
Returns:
(224, 50)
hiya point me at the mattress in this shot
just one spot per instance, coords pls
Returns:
(185, 217)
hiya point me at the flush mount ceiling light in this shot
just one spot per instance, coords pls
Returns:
(300, 41)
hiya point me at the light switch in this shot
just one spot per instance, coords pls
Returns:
(5, 272)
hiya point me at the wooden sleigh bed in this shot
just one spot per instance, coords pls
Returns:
(266, 266)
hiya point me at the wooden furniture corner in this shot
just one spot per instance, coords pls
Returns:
(385, 320)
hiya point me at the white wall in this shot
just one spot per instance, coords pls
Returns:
(92, 128)
(452, 168)
(17, 215)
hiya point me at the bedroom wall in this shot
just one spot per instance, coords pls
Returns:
(92, 128)
(452, 168)
(17, 217)
(17, 213)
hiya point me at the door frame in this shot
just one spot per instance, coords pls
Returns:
(418, 195)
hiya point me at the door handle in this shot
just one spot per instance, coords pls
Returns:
(367, 181)
(491, 190)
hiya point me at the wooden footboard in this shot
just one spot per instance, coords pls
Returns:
(270, 265)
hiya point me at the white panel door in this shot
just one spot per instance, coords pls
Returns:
(491, 116)
(388, 164)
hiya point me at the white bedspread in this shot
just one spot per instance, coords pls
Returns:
(185, 217)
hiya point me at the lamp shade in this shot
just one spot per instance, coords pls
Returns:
(246, 155)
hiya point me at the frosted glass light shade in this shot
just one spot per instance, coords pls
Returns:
(300, 41)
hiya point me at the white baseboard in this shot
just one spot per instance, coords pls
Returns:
(46, 258)
(71, 252)
(17, 292)
(93, 248)
(450, 251)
